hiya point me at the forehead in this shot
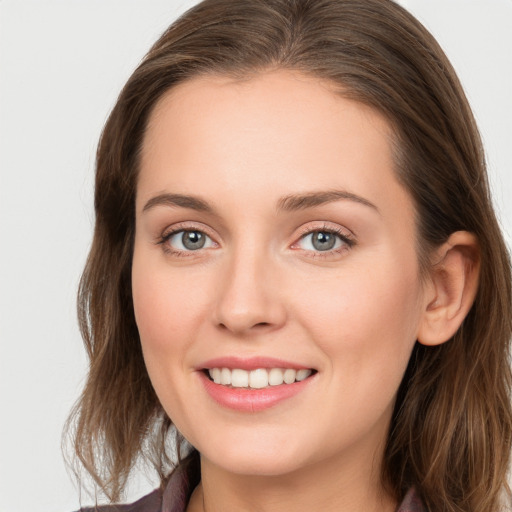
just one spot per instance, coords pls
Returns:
(276, 132)
(283, 101)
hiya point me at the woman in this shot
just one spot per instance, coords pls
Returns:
(296, 264)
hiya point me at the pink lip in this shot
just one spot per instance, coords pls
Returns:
(252, 400)
(248, 364)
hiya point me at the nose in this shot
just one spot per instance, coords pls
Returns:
(249, 296)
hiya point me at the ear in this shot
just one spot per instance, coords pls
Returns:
(452, 288)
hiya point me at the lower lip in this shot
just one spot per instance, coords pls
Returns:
(252, 400)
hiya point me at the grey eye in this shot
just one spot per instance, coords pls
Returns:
(189, 240)
(193, 240)
(320, 241)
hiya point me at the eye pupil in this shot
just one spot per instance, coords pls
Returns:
(193, 240)
(323, 241)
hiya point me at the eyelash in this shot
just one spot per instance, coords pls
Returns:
(348, 242)
(166, 236)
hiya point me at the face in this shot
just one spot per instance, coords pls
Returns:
(273, 241)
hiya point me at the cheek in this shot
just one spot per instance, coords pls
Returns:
(160, 320)
(153, 305)
(165, 308)
(170, 310)
(366, 318)
(166, 322)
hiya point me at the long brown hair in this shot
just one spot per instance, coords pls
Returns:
(451, 431)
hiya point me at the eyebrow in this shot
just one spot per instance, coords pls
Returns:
(295, 202)
(292, 202)
(181, 200)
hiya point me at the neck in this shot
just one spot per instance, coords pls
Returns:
(331, 485)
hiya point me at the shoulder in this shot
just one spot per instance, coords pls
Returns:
(149, 503)
(173, 499)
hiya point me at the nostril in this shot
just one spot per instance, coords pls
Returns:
(259, 325)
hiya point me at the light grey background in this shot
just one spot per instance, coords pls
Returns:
(62, 64)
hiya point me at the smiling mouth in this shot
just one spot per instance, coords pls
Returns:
(257, 379)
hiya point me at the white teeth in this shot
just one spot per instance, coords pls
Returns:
(215, 375)
(259, 378)
(225, 376)
(275, 377)
(289, 376)
(239, 378)
(302, 374)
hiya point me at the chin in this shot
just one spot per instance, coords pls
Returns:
(260, 466)
(258, 458)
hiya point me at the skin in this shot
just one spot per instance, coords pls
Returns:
(259, 287)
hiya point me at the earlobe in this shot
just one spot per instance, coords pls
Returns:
(452, 288)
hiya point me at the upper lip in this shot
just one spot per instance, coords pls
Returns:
(251, 363)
